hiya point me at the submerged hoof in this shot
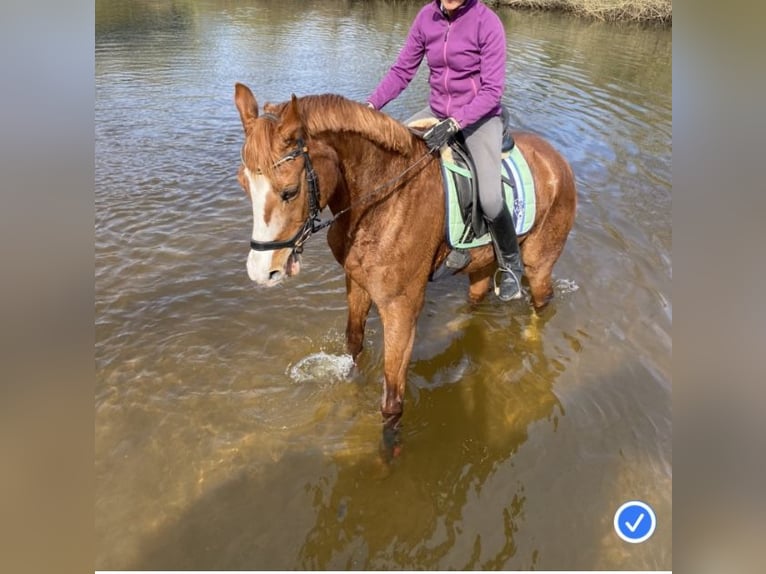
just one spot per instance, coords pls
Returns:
(391, 444)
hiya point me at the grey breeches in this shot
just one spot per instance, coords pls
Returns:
(484, 140)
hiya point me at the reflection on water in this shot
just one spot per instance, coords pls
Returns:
(232, 431)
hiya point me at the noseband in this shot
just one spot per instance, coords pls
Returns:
(312, 223)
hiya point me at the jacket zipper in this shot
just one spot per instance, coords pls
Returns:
(446, 67)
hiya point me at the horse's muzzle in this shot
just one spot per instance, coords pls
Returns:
(269, 268)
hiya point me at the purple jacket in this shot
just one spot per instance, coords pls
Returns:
(466, 58)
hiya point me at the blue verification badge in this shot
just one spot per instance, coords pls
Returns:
(635, 521)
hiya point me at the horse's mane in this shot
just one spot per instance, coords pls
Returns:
(334, 113)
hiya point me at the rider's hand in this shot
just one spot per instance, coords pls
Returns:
(441, 133)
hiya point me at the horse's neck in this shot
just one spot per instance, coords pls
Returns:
(384, 193)
(367, 169)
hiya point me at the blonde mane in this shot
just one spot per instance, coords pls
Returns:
(328, 113)
(334, 113)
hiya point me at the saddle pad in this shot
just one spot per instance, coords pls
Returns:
(518, 187)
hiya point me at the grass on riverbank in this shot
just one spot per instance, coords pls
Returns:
(612, 10)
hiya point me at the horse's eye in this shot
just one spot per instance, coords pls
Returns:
(289, 193)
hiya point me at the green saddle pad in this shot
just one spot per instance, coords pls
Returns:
(518, 187)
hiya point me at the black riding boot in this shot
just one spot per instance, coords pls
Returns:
(509, 262)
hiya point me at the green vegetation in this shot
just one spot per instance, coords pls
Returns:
(622, 10)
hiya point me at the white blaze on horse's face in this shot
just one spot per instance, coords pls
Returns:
(264, 267)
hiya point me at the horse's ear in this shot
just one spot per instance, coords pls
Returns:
(292, 122)
(246, 104)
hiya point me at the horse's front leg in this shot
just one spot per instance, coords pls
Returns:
(359, 303)
(399, 318)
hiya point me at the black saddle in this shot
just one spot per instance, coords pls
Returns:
(467, 188)
(508, 142)
(468, 198)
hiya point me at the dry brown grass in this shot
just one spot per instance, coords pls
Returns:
(613, 10)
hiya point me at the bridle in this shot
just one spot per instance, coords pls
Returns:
(312, 223)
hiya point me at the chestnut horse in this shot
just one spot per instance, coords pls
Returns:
(388, 230)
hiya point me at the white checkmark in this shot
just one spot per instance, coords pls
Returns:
(628, 529)
(634, 526)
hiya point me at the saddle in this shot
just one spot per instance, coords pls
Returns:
(466, 226)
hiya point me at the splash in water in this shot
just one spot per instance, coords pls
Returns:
(321, 367)
(566, 286)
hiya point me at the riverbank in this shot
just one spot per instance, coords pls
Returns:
(660, 11)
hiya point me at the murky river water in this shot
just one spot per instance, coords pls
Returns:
(229, 434)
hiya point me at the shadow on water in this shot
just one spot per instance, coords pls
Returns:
(458, 441)
(253, 520)
(453, 499)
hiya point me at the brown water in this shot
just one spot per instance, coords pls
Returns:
(229, 431)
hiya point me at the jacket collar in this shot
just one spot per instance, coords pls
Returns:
(459, 12)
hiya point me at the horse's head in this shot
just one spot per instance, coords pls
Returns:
(277, 174)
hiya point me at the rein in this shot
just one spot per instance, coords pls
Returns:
(313, 222)
(382, 186)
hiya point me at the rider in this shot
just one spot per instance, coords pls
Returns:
(463, 42)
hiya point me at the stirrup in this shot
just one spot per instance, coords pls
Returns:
(517, 294)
